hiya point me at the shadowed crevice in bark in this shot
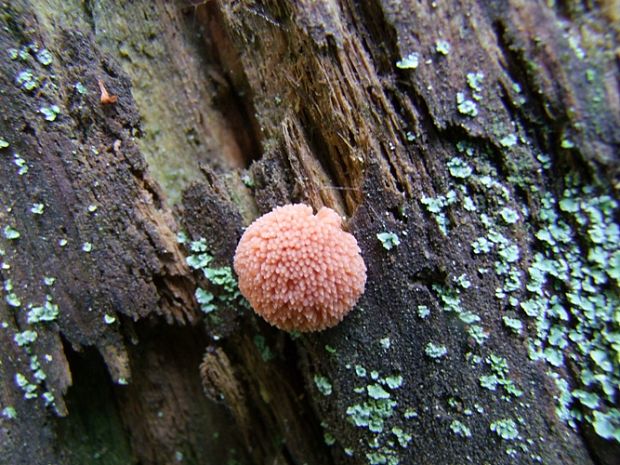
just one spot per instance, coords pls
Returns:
(94, 422)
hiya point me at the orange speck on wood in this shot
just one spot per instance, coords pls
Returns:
(106, 98)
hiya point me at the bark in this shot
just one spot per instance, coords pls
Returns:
(227, 109)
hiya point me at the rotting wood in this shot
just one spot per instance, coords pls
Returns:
(99, 246)
(312, 96)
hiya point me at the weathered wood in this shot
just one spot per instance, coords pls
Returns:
(470, 139)
(345, 107)
(105, 242)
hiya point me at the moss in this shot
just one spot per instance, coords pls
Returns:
(330, 350)
(93, 432)
(265, 351)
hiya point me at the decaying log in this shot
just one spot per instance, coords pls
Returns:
(473, 134)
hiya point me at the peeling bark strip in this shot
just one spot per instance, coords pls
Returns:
(474, 149)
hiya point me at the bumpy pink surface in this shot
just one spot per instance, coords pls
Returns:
(299, 271)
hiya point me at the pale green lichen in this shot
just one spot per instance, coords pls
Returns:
(478, 334)
(481, 245)
(509, 215)
(371, 414)
(9, 412)
(437, 205)
(442, 47)
(44, 57)
(37, 208)
(567, 144)
(79, 87)
(402, 437)
(323, 385)
(376, 414)
(460, 429)
(27, 80)
(205, 300)
(499, 377)
(571, 289)
(463, 281)
(435, 351)
(474, 81)
(423, 311)
(220, 278)
(505, 429)
(514, 324)
(11, 233)
(50, 113)
(451, 302)
(393, 382)
(465, 106)
(388, 239)
(48, 398)
(11, 298)
(459, 168)
(43, 313)
(411, 61)
(25, 338)
(508, 141)
(375, 391)
(247, 181)
(30, 389)
(579, 323)
(21, 164)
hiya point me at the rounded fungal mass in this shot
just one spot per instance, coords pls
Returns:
(300, 271)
